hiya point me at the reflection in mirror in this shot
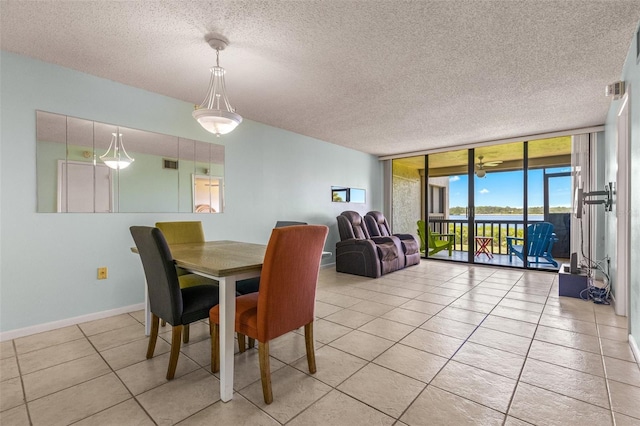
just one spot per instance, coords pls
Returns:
(72, 178)
(343, 194)
(147, 185)
(207, 194)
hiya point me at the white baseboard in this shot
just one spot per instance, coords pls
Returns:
(635, 349)
(34, 329)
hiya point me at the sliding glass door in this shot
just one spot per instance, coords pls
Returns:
(498, 202)
(479, 205)
(550, 195)
(448, 209)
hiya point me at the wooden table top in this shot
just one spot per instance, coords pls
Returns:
(218, 258)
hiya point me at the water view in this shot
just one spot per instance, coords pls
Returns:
(499, 217)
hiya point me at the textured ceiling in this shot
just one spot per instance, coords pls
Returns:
(382, 77)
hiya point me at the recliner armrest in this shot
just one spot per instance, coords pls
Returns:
(382, 240)
(357, 242)
(409, 243)
(391, 239)
(359, 257)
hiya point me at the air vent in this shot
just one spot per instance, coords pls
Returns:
(615, 89)
(169, 164)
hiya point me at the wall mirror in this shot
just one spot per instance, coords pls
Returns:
(168, 175)
(343, 194)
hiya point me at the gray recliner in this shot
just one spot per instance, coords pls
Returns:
(360, 254)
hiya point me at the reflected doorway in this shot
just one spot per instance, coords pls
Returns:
(207, 194)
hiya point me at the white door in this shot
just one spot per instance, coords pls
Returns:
(77, 190)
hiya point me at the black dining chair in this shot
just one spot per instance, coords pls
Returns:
(177, 306)
(180, 233)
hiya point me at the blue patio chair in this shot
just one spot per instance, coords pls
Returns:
(540, 239)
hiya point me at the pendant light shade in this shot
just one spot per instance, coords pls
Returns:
(215, 113)
(116, 156)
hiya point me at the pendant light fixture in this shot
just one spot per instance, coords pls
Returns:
(215, 113)
(116, 156)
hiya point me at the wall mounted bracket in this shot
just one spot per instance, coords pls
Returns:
(608, 197)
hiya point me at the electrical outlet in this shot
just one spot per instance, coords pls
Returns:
(102, 273)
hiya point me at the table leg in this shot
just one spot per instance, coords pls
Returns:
(227, 322)
(483, 247)
(478, 247)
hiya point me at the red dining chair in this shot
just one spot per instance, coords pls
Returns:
(286, 299)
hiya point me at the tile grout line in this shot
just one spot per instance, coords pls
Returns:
(604, 367)
(117, 376)
(526, 357)
(24, 392)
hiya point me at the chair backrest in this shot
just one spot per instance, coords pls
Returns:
(182, 232)
(351, 225)
(539, 236)
(283, 223)
(165, 297)
(421, 234)
(377, 224)
(288, 280)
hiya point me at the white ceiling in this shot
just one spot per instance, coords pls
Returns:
(382, 77)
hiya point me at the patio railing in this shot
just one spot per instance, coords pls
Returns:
(498, 229)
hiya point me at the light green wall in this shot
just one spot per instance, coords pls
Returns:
(631, 75)
(48, 261)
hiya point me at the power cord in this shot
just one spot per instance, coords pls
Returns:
(599, 295)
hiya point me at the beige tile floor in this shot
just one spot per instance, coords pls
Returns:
(435, 344)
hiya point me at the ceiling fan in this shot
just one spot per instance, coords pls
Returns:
(480, 171)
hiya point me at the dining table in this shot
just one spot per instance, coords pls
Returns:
(226, 262)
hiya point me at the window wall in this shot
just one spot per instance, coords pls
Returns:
(480, 202)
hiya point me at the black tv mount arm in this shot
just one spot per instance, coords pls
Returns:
(608, 197)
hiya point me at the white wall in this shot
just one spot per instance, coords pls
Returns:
(48, 261)
(631, 75)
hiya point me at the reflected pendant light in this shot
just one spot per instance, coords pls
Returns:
(215, 113)
(116, 156)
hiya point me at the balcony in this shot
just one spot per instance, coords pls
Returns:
(498, 230)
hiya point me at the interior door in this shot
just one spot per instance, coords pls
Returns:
(79, 192)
